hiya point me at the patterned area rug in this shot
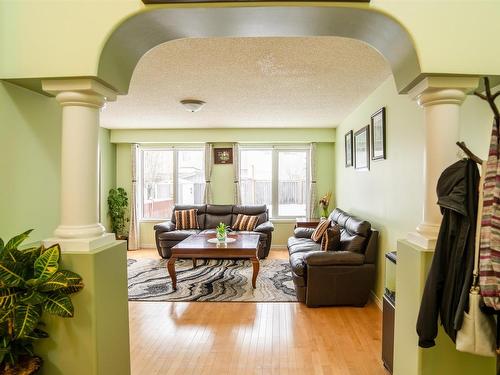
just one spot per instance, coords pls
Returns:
(212, 280)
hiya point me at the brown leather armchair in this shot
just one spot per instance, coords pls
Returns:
(329, 278)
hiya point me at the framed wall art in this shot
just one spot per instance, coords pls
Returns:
(377, 130)
(362, 149)
(223, 155)
(348, 149)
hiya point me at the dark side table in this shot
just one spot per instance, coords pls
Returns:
(303, 222)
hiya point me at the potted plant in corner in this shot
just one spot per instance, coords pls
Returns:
(31, 284)
(118, 205)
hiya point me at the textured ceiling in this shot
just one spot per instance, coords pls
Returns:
(249, 82)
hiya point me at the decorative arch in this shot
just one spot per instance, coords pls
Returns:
(142, 32)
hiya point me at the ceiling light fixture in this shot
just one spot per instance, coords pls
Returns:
(192, 105)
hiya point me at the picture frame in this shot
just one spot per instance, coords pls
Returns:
(348, 139)
(362, 149)
(223, 155)
(378, 134)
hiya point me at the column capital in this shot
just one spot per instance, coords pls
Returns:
(443, 90)
(79, 91)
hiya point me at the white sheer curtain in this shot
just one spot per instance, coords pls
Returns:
(133, 233)
(236, 166)
(312, 205)
(209, 151)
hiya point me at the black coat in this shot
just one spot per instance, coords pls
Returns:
(446, 291)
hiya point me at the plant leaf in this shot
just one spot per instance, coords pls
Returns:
(66, 281)
(59, 304)
(5, 315)
(26, 319)
(7, 298)
(37, 334)
(11, 274)
(32, 297)
(47, 264)
(14, 242)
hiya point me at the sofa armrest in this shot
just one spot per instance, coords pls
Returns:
(334, 258)
(166, 226)
(264, 227)
(302, 232)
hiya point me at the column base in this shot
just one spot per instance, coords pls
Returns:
(81, 244)
(79, 231)
(425, 236)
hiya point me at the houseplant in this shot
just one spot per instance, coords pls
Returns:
(31, 284)
(118, 204)
(221, 231)
(324, 202)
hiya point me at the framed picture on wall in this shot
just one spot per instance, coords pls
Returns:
(362, 149)
(223, 155)
(377, 130)
(348, 149)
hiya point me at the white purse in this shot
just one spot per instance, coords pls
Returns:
(478, 332)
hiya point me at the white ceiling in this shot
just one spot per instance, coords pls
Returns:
(249, 82)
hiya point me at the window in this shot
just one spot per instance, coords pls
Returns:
(170, 176)
(275, 176)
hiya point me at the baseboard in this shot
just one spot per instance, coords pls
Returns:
(280, 247)
(375, 299)
(148, 246)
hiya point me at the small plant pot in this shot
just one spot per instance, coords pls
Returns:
(122, 238)
(25, 366)
(221, 237)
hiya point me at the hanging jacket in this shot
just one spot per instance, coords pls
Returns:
(489, 250)
(447, 287)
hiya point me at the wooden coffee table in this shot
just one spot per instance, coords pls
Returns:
(197, 247)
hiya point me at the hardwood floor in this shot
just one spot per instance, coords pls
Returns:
(252, 338)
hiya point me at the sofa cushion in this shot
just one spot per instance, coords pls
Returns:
(212, 221)
(299, 245)
(333, 258)
(254, 210)
(201, 212)
(302, 232)
(177, 235)
(245, 222)
(351, 223)
(331, 239)
(186, 219)
(320, 230)
(350, 242)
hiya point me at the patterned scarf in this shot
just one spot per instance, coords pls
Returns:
(489, 260)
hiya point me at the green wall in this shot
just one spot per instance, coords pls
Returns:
(30, 139)
(222, 175)
(390, 195)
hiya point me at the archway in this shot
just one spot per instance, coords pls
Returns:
(138, 34)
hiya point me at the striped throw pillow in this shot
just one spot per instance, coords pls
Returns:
(245, 222)
(186, 219)
(331, 239)
(320, 230)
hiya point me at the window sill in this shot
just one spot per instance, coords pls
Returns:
(152, 220)
(283, 220)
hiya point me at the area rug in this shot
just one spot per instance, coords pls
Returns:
(212, 280)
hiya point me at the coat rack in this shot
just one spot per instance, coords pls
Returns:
(469, 153)
(490, 98)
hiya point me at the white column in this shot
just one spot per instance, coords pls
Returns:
(440, 97)
(81, 100)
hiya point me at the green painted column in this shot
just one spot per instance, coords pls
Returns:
(96, 340)
(409, 358)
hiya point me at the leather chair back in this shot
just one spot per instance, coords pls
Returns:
(355, 234)
(202, 209)
(254, 210)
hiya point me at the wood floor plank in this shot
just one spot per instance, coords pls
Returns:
(253, 338)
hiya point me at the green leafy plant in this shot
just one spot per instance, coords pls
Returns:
(221, 231)
(31, 284)
(118, 204)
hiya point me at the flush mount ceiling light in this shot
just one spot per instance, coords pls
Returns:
(192, 105)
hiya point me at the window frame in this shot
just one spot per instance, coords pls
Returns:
(175, 161)
(275, 150)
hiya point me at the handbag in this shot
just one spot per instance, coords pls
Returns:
(478, 332)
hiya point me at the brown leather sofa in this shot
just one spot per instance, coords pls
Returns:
(209, 216)
(330, 278)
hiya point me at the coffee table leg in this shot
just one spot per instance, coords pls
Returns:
(171, 271)
(255, 265)
(194, 262)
